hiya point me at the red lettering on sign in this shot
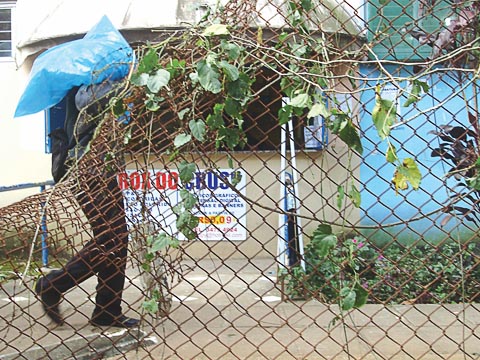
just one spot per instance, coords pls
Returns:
(142, 180)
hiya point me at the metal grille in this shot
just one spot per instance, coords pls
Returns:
(335, 194)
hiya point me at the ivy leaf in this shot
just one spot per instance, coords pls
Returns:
(323, 229)
(186, 171)
(140, 79)
(183, 219)
(186, 223)
(208, 76)
(299, 50)
(306, 5)
(182, 139)
(324, 239)
(233, 50)
(152, 102)
(383, 116)
(216, 30)
(361, 296)
(181, 114)
(194, 78)
(339, 119)
(300, 101)
(405, 173)
(473, 182)
(175, 66)
(198, 129)
(189, 199)
(284, 114)
(340, 196)
(391, 154)
(348, 298)
(233, 107)
(157, 81)
(118, 107)
(148, 62)
(355, 196)
(159, 243)
(237, 177)
(231, 137)
(150, 306)
(240, 88)
(326, 245)
(417, 88)
(229, 70)
(348, 133)
(215, 120)
(318, 109)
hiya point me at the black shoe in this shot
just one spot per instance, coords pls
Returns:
(50, 299)
(121, 322)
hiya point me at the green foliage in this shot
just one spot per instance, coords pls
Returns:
(160, 242)
(348, 133)
(152, 305)
(198, 129)
(352, 272)
(384, 115)
(407, 172)
(324, 259)
(216, 30)
(208, 76)
(391, 155)
(158, 80)
(417, 88)
(342, 125)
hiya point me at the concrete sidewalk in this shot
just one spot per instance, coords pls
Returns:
(234, 311)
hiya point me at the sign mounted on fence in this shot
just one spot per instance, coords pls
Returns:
(151, 196)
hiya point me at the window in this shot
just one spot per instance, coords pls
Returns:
(6, 15)
(261, 120)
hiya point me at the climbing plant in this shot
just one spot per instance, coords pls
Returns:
(180, 77)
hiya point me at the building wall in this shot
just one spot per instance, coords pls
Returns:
(319, 174)
(22, 159)
(415, 139)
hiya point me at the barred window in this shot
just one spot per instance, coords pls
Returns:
(6, 12)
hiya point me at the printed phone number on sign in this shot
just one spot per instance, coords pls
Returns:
(217, 220)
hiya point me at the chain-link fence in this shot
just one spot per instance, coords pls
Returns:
(286, 179)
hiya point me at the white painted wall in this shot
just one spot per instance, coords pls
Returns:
(22, 150)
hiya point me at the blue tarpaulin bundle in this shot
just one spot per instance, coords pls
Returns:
(103, 53)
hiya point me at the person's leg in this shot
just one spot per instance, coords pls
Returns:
(51, 286)
(106, 255)
(102, 203)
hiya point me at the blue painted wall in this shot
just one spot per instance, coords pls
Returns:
(380, 203)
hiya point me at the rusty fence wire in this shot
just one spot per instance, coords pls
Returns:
(285, 180)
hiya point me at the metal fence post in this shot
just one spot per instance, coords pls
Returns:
(44, 232)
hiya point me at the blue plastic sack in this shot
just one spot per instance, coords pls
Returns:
(102, 54)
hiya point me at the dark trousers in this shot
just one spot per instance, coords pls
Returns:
(105, 255)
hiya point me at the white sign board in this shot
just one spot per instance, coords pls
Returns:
(150, 197)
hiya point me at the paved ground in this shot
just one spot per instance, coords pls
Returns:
(234, 311)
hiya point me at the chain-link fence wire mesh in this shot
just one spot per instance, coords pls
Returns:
(301, 183)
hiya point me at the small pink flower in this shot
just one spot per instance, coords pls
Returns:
(360, 245)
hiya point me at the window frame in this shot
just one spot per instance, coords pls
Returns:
(11, 5)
